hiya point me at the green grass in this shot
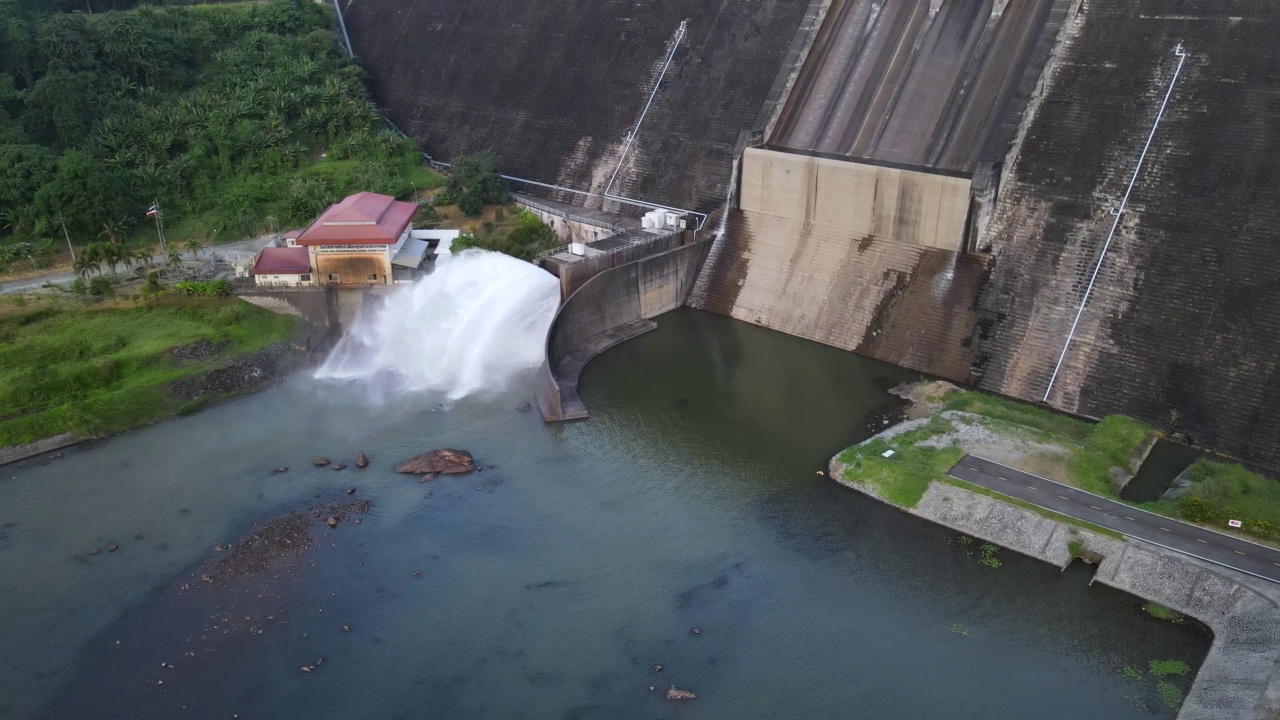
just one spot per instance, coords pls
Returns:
(1112, 443)
(903, 478)
(1047, 422)
(98, 370)
(1231, 491)
(1160, 612)
(1165, 668)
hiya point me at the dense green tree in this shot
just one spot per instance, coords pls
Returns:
(474, 182)
(86, 191)
(26, 168)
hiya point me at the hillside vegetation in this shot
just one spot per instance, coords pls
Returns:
(97, 369)
(239, 118)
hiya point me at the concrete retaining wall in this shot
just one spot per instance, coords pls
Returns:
(575, 274)
(1240, 677)
(607, 309)
(14, 453)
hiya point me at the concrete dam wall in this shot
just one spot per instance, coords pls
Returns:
(1043, 107)
(555, 88)
(1183, 325)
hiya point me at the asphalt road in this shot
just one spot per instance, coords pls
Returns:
(1215, 547)
(65, 278)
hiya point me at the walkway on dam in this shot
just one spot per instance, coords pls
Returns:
(1215, 547)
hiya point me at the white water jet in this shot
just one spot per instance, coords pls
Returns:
(469, 327)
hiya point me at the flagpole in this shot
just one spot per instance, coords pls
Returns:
(67, 235)
(164, 245)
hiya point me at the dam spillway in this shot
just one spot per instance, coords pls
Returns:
(935, 85)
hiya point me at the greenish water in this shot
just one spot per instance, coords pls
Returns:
(551, 583)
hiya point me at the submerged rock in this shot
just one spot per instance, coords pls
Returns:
(331, 522)
(362, 460)
(524, 407)
(445, 461)
(320, 462)
(675, 693)
(339, 466)
(279, 470)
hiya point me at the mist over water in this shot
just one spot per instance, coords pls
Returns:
(471, 326)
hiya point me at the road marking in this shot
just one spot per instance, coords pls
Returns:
(1126, 517)
(1002, 477)
(1206, 542)
(1095, 507)
(1031, 487)
(1064, 497)
(1166, 529)
(1238, 552)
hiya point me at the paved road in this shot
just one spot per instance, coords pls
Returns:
(1205, 544)
(65, 278)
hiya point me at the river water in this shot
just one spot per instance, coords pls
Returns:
(548, 585)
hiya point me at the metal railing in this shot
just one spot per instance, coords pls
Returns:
(1118, 213)
(638, 240)
(558, 212)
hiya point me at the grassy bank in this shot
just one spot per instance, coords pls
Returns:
(1222, 491)
(99, 369)
(924, 454)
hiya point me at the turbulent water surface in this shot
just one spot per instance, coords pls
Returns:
(469, 327)
(551, 583)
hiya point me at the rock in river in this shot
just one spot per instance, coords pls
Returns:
(675, 693)
(320, 462)
(445, 461)
(362, 460)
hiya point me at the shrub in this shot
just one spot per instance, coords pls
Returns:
(101, 287)
(1199, 510)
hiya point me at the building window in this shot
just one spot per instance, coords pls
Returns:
(304, 278)
(372, 277)
(333, 277)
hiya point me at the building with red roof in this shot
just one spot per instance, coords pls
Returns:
(288, 266)
(354, 241)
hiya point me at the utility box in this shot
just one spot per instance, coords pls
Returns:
(579, 249)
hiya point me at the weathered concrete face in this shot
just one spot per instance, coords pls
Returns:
(1183, 326)
(555, 87)
(863, 201)
(919, 82)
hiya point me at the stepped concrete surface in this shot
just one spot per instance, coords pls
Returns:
(920, 82)
(1182, 328)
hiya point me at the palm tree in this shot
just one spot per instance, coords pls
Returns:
(194, 246)
(152, 288)
(85, 264)
(174, 258)
(139, 253)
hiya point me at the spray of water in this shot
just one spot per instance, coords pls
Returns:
(469, 327)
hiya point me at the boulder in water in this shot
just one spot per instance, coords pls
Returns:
(320, 462)
(445, 461)
(675, 693)
(362, 460)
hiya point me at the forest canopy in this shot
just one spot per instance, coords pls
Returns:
(238, 118)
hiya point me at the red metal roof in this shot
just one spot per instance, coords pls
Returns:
(282, 261)
(362, 219)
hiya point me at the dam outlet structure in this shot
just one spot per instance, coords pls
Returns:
(926, 182)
